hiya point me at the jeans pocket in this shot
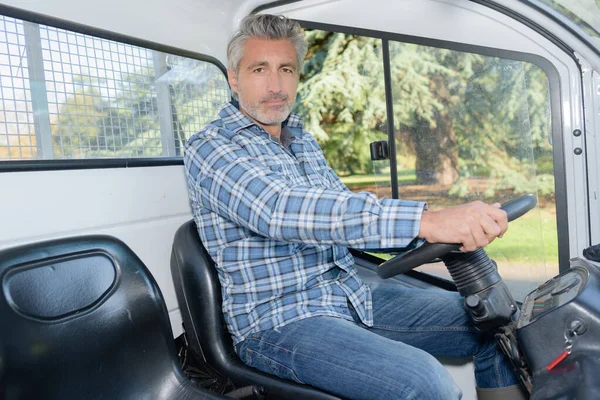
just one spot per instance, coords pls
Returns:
(270, 366)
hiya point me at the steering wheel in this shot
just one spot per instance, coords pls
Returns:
(427, 252)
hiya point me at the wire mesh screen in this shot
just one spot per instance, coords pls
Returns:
(97, 98)
(197, 91)
(17, 136)
(100, 97)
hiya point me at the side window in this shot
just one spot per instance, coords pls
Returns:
(341, 98)
(466, 127)
(67, 95)
(473, 127)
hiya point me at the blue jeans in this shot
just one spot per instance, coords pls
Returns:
(393, 359)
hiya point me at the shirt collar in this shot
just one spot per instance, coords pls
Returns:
(235, 120)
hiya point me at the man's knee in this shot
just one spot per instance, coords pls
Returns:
(437, 383)
(426, 381)
(425, 378)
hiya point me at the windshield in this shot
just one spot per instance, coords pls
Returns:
(583, 13)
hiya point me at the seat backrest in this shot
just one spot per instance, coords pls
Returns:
(199, 296)
(82, 318)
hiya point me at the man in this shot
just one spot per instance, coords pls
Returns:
(277, 221)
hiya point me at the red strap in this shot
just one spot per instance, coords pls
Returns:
(557, 360)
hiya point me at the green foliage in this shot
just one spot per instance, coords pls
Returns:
(454, 111)
(543, 184)
(529, 239)
(348, 148)
(90, 124)
(425, 81)
(123, 121)
(337, 101)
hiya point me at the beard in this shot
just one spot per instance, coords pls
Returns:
(266, 114)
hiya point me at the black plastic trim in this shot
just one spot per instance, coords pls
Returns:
(588, 156)
(527, 22)
(542, 10)
(389, 109)
(427, 278)
(273, 4)
(96, 163)
(444, 44)
(555, 104)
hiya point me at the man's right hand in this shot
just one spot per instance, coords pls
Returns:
(472, 225)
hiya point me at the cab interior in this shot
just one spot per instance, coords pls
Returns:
(99, 98)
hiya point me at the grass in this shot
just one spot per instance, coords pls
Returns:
(404, 177)
(364, 180)
(532, 239)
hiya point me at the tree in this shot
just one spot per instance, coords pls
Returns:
(120, 117)
(458, 113)
(74, 128)
(124, 122)
(338, 97)
(17, 143)
(428, 83)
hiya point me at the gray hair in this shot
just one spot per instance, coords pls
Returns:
(265, 26)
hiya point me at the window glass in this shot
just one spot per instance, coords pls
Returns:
(341, 99)
(471, 127)
(467, 127)
(66, 95)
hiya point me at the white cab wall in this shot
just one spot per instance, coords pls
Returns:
(144, 206)
(141, 206)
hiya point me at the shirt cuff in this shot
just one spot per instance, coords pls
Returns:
(399, 222)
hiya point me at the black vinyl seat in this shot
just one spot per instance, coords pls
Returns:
(82, 318)
(199, 296)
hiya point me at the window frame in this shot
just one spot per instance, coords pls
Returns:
(98, 163)
(556, 112)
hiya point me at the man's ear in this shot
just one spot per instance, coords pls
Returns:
(232, 78)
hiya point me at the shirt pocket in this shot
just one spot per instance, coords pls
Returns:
(319, 172)
(284, 165)
(316, 173)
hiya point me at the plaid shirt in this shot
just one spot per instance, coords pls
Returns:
(277, 222)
